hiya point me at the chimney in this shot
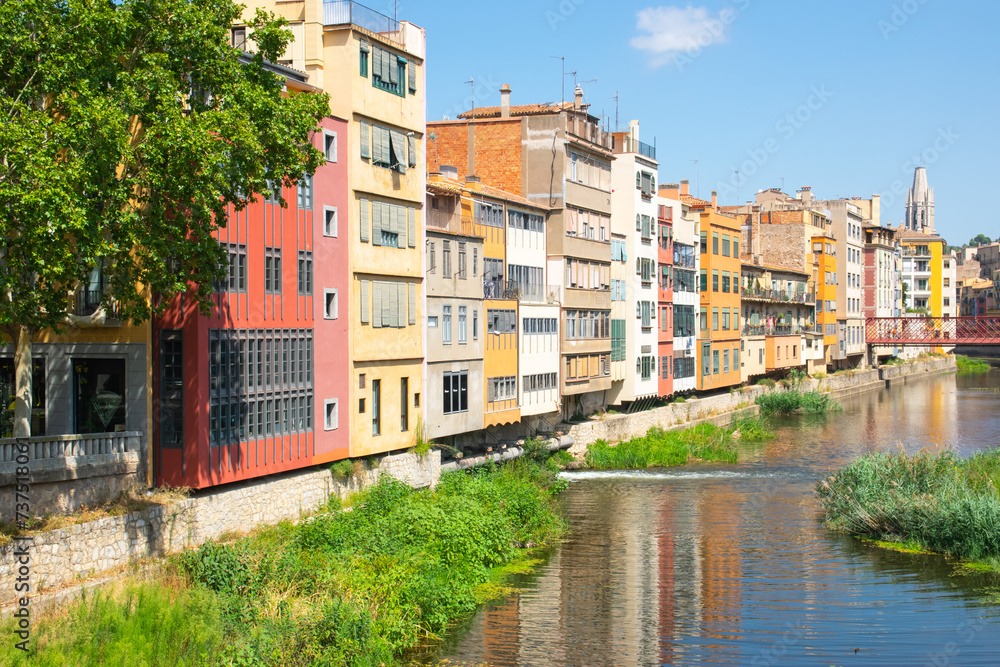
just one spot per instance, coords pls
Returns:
(505, 101)
(805, 194)
(578, 97)
(755, 230)
(472, 179)
(670, 191)
(633, 130)
(449, 171)
(684, 187)
(715, 200)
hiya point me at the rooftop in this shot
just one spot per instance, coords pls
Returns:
(437, 184)
(542, 109)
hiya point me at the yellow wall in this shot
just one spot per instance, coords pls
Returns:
(826, 292)
(937, 279)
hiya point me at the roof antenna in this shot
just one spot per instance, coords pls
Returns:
(589, 81)
(615, 98)
(472, 82)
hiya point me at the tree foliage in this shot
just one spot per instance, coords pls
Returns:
(128, 128)
(978, 240)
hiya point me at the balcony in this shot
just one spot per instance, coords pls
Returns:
(779, 330)
(777, 296)
(346, 12)
(499, 289)
(88, 300)
(684, 259)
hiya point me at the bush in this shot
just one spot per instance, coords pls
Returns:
(939, 502)
(767, 382)
(660, 449)
(342, 469)
(971, 366)
(795, 402)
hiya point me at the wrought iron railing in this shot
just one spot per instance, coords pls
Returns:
(347, 12)
(778, 295)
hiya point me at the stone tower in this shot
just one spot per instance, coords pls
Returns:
(920, 204)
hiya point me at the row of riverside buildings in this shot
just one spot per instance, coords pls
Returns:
(472, 281)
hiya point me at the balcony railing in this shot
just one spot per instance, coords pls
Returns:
(683, 260)
(778, 295)
(65, 446)
(777, 330)
(636, 146)
(684, 367)
(346, 12)
(89, 300)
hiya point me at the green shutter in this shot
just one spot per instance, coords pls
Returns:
(363, 223)
(366, 144)
(411, 227)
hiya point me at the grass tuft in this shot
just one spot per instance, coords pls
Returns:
(971, 366)
(661, 449)
(796, 402)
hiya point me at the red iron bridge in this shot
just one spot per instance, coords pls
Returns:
(932, 331)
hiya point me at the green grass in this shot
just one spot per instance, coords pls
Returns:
(752, 428)
(661, 449)
(352, 588)
(939, 503)
(970, 366)
(796, 402)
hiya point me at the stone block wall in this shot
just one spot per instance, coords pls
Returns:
(63, 556)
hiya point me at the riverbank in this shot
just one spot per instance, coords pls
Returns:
(356, 587)
(937, 503)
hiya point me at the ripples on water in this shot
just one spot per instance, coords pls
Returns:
(723, 564)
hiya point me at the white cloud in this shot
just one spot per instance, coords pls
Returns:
(671, 31)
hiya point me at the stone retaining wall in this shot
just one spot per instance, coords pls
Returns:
(64, 556)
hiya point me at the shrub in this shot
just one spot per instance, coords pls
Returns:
(767, 382)
(342, 469)
(937, 501)
(792, 402)
(971, 366)
(659, 449)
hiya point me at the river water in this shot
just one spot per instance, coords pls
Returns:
(731, 564)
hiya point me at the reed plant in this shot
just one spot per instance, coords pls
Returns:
(968, 366)
(940, 502)
(661, 449)
(796, 402)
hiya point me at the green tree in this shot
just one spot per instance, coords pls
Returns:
(978, 240)
(127, 128)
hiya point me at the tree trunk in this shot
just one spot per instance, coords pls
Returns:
(22, 382)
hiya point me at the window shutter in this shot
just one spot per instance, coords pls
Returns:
(411, 148)
(377, 61)
(638, 223)
(411, 227)
(401, 302)
(365, 206)
(376, 223)
(366, 146)
(388, 60)
(384, 145)
(364, 46)
(392, 306)
(393, 70)
(377, 305)
(364, 301)
(412, 76)
(412, 288)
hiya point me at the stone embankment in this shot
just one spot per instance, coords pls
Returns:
(64, 557)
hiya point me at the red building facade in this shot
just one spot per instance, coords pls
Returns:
(665, 296)
(256, 388)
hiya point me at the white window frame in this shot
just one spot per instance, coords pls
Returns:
(328, 230)
(336, 304)
(330, 133)
(329, 425)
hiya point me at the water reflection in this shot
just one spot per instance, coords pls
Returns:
(730, 564)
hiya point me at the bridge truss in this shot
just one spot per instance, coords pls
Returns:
(932, 331)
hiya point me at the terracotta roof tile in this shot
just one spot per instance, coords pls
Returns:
(517, 110)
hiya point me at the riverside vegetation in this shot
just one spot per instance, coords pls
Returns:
(660, 448)
(358, 587)
(969, 366)
(930, 502)
(794, 401)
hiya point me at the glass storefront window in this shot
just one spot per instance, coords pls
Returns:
(8, 389)
(99, 395)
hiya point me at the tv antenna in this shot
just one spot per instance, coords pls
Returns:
(585, 83)
(472, 82)
(615, 98)
(697, 179)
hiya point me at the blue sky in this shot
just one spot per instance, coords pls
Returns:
(840, 96)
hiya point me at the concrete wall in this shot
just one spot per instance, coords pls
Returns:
(63, 556)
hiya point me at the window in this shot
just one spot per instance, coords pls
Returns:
(393, 304)
(330, 145)
(475, 262)
(704, 319)
(725, 361)
(715, 319)
(404, 405)
(272, 270)
(235, 281)
(475, 324)
(725, 281)
(385, 147)
(526, 221)
(501, 389)
(363, 60)
(462, 333)
(704, 280)
(305, 273)
(376, 407)
(715, 280)
(704, 242)
(456, 393)
(331, 416)
(330, 304)
(388, 71)
(171, 401)
(431, 259)
(736, 247)
(706, 359)
(238, 38)
(501, 321)
(446, 325)
(330, 221)
(305, 192)
(683, 321)
(715, 361)
(462, 264)
(446, 258)
(725, 245)
(725, 319)
(715, 243)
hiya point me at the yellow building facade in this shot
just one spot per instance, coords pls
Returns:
(372, 66)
